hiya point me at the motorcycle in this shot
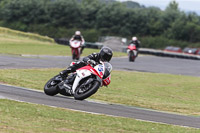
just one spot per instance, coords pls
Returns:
(132, 52)
(76, 49)
(81, 84)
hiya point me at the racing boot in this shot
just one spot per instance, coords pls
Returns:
(64, 73)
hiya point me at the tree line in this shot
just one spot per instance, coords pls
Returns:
(60, 18)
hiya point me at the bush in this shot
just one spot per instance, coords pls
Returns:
(90, 35)
(160, 42)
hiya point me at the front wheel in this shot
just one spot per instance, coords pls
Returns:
(74, 55)
(131, 56)
(83, 92)
(50, 87)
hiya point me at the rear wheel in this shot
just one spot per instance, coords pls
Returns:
(83, 92)
(51, 87)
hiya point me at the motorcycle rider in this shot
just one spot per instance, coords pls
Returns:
(104, 55)
(136, 42)
(77, 36)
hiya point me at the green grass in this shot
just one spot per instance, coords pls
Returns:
(157, 91)
(19, 34)
(18, 117)
(19, 43)
(174, 93)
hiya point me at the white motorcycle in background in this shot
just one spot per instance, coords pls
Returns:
(76, 49)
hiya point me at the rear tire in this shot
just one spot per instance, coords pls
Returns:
(50, 87)
(81, 96)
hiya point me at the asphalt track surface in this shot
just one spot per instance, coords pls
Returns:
(143, 63)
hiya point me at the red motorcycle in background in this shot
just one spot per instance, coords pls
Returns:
(76, 49)
(132, 52)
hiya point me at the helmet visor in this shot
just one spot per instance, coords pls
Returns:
(106, 57)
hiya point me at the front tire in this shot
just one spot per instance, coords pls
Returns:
(74, 55)
(132, 56)
(81, 94)
(50, 87)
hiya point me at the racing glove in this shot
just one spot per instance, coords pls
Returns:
(91, 62)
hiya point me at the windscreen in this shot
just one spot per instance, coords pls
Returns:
(108, 69)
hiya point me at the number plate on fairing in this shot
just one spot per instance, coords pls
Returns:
(100, 69)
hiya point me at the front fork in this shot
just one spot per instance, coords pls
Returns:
(80, 75)
(77, 52)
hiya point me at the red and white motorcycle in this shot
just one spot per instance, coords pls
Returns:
(132, 52)
(76, 49)
(81, 84)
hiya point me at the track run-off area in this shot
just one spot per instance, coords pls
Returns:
(143, 63)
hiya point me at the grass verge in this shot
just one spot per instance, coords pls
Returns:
(19, 34)
(174, 93)
(20, 117)
(16, 42)
(163, 92)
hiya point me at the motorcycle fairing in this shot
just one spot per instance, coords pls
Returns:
(132, 47)
(83, 73)
(75, 44)
(97, 70)
(107, 80)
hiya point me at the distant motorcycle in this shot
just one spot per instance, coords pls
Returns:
(81, 84)
(132, 52)
(76, 49)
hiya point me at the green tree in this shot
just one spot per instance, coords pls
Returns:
(154, 25)
(182, 29)
(171, 13)
(24, 11)
(64, 13)
(193, 32)
(89, 10)
(176, 31)
(111, 18)
(173, 5)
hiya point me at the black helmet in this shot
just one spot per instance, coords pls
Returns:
(105, 54)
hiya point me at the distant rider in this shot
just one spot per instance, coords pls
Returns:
(104, 55)
(136, 42)
(77, 36)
